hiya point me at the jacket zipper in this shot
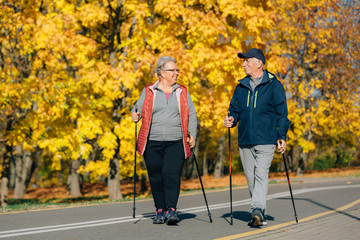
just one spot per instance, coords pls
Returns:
(251, 117)
(247, 105)
(255, 99)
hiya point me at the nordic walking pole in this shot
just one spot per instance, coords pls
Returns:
(292, 198)
(231, 211)
(136, 109)
(202, 187)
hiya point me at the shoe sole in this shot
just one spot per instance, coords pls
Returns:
(158, 222)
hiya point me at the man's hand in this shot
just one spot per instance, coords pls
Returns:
(228, 121)
(281, 146)
(135, 116)
(191, 140)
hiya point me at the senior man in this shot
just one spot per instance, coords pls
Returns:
(259, 106)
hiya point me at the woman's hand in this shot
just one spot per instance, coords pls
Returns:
(191, 141)
(135, 116)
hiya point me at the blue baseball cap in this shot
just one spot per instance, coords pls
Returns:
(253, 53)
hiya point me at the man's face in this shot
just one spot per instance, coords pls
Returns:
(251, 66)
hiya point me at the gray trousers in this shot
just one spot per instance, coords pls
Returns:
(256, 161)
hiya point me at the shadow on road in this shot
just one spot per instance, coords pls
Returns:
(322, 205)
(184, 216)
(242, 216)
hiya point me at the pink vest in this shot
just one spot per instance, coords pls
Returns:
(146, 115)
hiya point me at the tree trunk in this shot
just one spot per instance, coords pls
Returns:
(114, 33)
(301, 166)
(114, 180)
(114, 175)
(4, 190)
(12, 174)
(36, 158)
(219, 166)
(74, 179)
(205, 166)
(304, 157)
(22, 168)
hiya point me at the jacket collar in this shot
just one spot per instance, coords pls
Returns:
(246, 80)
(152, 87)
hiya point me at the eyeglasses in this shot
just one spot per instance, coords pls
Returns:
(171, 70)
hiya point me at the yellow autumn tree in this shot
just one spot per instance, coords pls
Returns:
(205, 37)
(72, 70)
(90, 60)
(16, 57)
(316, 48)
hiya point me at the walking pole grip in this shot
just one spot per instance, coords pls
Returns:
(231, 211)
(202, 187)
(136, 110)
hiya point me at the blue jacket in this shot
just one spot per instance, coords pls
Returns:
(262, 113)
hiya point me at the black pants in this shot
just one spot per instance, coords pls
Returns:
(164, 163)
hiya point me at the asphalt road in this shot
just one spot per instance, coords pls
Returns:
(313, 198)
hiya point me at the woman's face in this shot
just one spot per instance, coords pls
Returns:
(170, 73)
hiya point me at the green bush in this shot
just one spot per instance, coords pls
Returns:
(324, 162)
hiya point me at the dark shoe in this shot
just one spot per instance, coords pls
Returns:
(171, 217)
(257, 218)
(160, 217)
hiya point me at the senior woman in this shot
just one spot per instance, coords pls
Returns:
(167, 114)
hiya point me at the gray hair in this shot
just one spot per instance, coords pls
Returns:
(262, 65)
(161, 63)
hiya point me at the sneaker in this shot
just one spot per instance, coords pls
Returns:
(264, 222)
(256, 218)
(160, 217)
(172, 217)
